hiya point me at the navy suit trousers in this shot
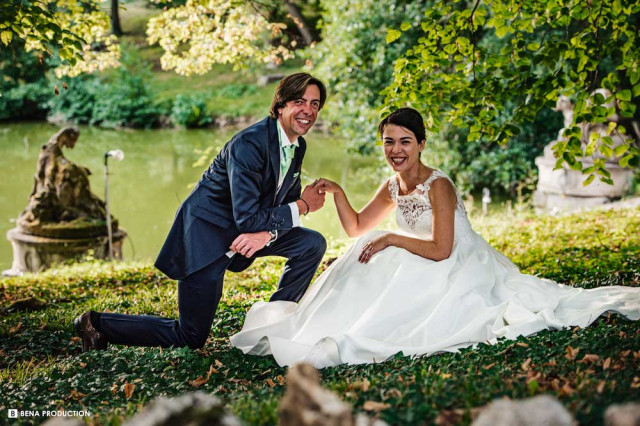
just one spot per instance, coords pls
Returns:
(200, 293)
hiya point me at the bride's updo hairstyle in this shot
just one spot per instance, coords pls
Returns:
(408, 118)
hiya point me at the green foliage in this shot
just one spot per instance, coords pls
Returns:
(237, 90)
(42, 367)
(25, 101)
(74, 32)
(504, 169)
(355, 62)
(492, 66)
(190, 111)
(23, 88)
(119, 99)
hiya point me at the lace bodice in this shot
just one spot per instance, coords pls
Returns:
(414, 213)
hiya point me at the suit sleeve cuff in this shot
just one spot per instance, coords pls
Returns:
(295, 214)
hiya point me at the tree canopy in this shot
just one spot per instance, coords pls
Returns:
(75, 31)
(490, 66)
(200, 33)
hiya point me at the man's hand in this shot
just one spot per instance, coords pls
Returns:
(248, 244)
(313, 197)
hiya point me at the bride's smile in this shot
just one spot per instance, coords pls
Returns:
(401, 148)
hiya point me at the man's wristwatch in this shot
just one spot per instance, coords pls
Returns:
(274, 235)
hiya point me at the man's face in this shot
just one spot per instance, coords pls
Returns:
(299, 115)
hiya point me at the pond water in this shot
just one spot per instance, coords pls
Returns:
(157, 173)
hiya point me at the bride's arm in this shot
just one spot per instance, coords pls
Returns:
(443, 201)
(357, 223)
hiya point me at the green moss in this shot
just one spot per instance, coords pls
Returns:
(41, 365)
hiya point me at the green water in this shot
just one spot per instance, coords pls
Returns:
(157, 173)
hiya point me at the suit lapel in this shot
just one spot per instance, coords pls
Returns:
(274, 155)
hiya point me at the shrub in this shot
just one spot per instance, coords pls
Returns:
(190, 111)
(121, 98)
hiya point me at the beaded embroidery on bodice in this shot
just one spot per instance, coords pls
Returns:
(414, 213)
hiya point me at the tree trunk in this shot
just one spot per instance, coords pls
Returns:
(301, 23)
(116, 29)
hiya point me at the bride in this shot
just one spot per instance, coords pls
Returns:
(435, 286)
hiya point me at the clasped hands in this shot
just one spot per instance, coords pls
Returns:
(249, 243)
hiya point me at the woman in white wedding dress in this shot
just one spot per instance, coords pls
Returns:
(435, 286)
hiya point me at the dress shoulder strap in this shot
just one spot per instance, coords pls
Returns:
(393, 188)
(434, 175)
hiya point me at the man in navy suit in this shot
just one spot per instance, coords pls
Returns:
(246, 205)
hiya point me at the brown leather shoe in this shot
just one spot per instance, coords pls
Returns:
(91, 339)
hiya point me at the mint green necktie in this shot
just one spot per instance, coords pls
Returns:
(285, 160)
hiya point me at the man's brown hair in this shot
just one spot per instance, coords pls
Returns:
(293, 87)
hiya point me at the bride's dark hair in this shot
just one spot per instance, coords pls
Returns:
(408, 118)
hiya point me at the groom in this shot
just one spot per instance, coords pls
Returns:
(246, 205)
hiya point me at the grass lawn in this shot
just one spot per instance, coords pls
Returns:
(41, 366)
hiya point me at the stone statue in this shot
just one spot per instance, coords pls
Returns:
(63, 219)
(61, 193)
(563, 189)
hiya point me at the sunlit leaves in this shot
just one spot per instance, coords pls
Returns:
(392, 35)
(476, 60)
(76, 31)
(204, 32)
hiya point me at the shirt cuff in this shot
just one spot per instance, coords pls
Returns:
(295, 214)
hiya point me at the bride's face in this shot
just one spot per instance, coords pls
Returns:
(401, 148)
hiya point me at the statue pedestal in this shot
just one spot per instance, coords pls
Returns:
(32, 253)
(562, 189)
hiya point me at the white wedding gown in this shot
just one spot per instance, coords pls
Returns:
(358, 313)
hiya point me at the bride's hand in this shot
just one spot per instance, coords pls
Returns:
(372, 247)
(326, 185)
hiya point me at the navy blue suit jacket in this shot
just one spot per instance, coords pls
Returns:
(236, 194)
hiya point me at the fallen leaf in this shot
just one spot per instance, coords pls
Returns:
(525, 365)
(15, 329)
(600, 387)
(280, 379)
(114, 388)
(375, 406)
(83, 364)
(522, 344)
(636, 383)
(218, 363)
(196, 383)
(486, 367)
(625, 354)
(394, 393)
(270, 383)
(202, 380)
(590, 358)
(445, 375)
(76, 395)
(568, 390)
(607, 363)
(571, 353)
(128, 389)
(636, 355)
